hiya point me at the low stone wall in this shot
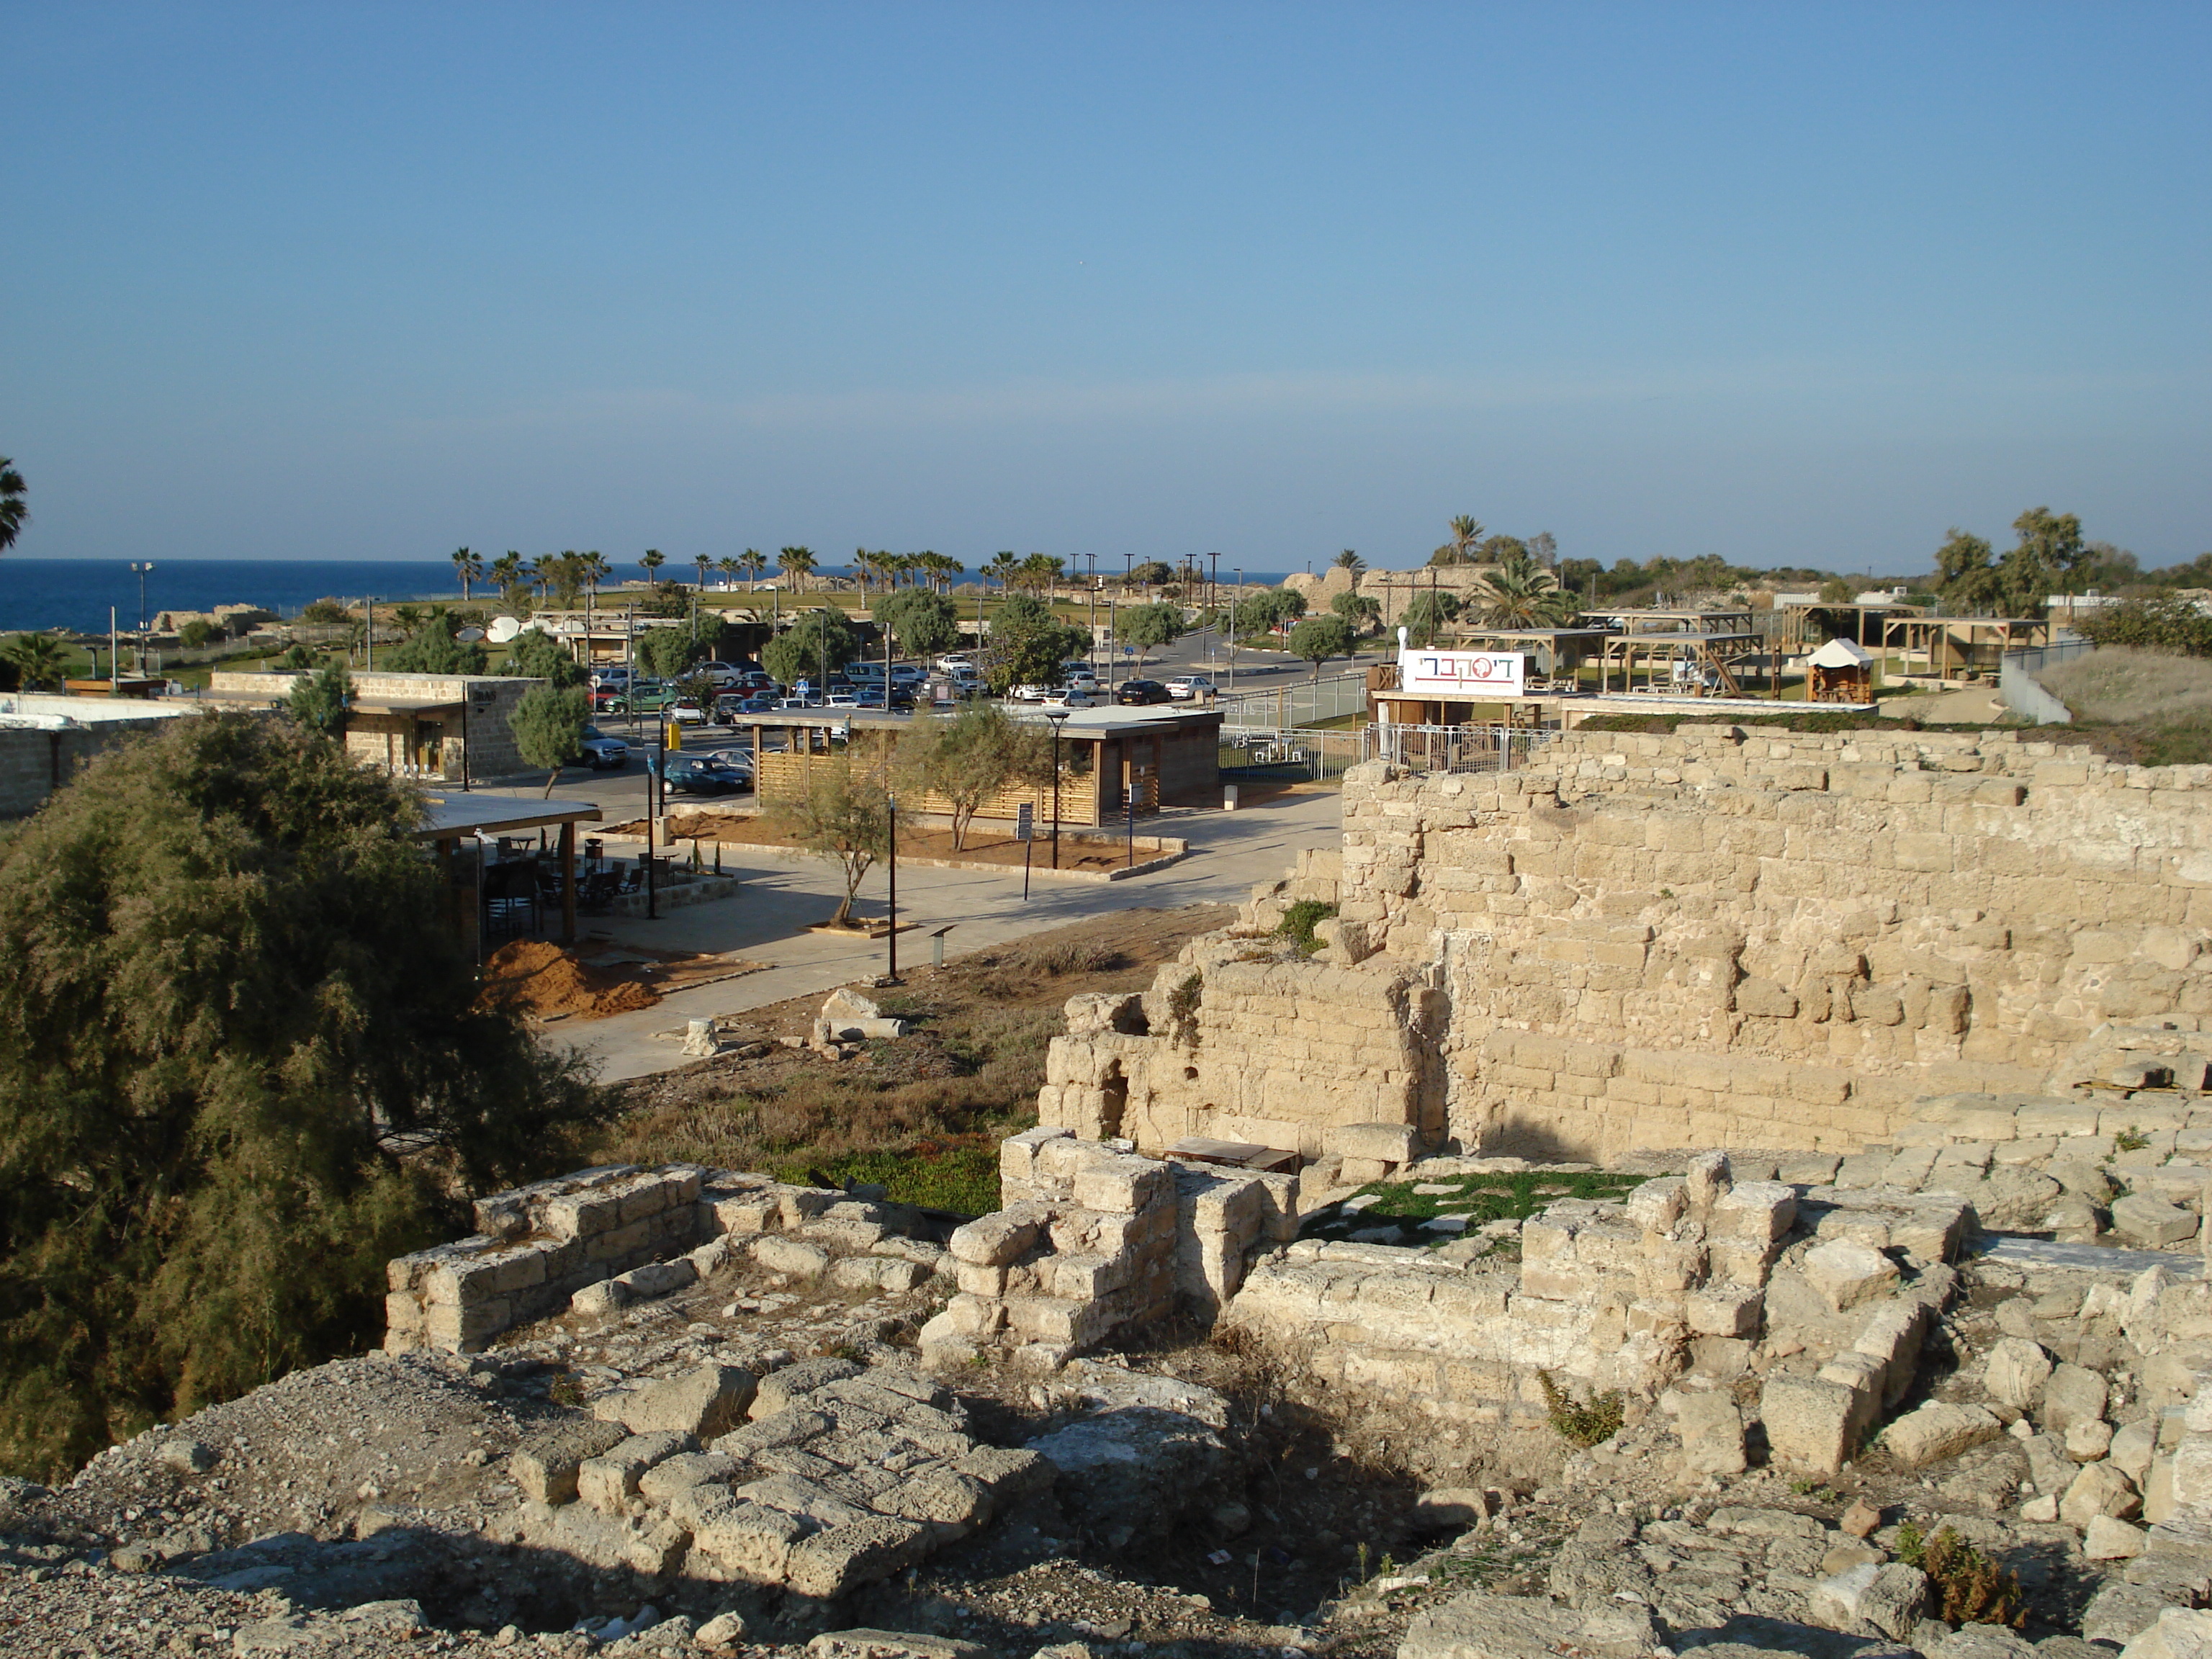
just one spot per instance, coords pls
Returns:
(1093, 1240)
(536, 1247)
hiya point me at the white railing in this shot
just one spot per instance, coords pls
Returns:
(1256, 752)
(1293, 703)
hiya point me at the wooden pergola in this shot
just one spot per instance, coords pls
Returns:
(449, 820)
(1957, 646)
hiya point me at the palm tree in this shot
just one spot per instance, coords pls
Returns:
(1003, 566)
(864, 565)
(1460, 549)
(728, 565)
(796, 563)
(702, 560)
(468, 568)
(652, 562)
(1351, 561)
(753, 561)
(507, 571)
(39, 660)
(1522, 594)
(13, 515)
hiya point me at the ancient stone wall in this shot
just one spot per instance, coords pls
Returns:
(1720, 937)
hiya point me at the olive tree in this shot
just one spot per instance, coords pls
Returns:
(839, 812)
(967, 761)
(1149, 627)
(548, 724)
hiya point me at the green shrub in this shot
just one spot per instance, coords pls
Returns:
(1580, 1425)
(1298, 921)
(1970, 1588)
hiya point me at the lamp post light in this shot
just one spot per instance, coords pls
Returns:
(141, 569)
(891, 937)
(1057, 716)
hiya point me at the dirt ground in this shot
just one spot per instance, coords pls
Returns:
(545, 982)
(924, 1109)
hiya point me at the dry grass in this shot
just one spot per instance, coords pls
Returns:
(2118, 684)
(969, 1075)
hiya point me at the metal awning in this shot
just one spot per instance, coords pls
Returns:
(360, 705)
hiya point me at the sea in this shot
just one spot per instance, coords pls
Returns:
(76, 593)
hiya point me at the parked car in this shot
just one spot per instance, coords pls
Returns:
(602, 753)
(1028, 693)
(705, 774)
(644, 697)
(721, 673)
(1070, 697)
(1140, 693)
(604, 697)
(686, 711)
(841, 699)
(956, 663)
(613, 674)
(1191, 688)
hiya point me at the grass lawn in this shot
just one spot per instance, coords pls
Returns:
(1405, 1213)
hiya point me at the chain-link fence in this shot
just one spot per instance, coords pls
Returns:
(1295, 703)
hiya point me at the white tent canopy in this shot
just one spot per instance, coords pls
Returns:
(1841, 654)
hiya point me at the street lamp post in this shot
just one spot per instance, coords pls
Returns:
(1056, 716)
(141, 568)
(891, 937)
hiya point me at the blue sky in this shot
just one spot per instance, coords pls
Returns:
(1792, 283)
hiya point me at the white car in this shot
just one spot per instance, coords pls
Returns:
(613, 675)
(686, 711)
(1071, 696)
(956, 665)
(1189, 688)
(842, 700)
(722, 674)
(1028, 694)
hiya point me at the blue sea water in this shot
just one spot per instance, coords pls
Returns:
(76, 593)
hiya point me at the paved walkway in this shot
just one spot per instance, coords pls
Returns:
(767, 919)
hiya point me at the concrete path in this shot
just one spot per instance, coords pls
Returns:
(767, 919)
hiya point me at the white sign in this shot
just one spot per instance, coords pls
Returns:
(1462, 676)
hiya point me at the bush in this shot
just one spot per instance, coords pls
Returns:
(1970, 1588)
(1580, 1425)
(1299, 920)
(242, 1065)
(325, 613)
(2161, 623)
(197, 634)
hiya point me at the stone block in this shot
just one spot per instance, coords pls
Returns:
(1382, 1143)
(2072, 1393)
(1845, 1273)
(1884, 1600)
(2108, 1538)
(2016, 1372)
(2099, 1489)
(2177, 1633)
(2145, 1220)
(1811, 1425)
(790, 1257)
(863, 1552)
(1476, 1625)
(702, 1403)
(544, 1465)
(1124, 1184)
(751, 1540)
(1938, 1431)
(995, 1241)
(1761, 1211)
(1711, 1428)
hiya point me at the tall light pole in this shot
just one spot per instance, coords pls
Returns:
(1056, 716)
(1231, 629)
(142, 569)
(891, 937)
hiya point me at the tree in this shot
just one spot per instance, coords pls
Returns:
(1319, 638)
(753, 561)
(325, 612)
(1039, 572)
(2050, 540)
(1427, 616)
(537, 655)
(796, 563)
(729, 567)
(1029, 644)
(1349, 561)
(666, 653)
(1466, 536)
(972, 758)
(922, 621)
(1152, 572)
(1149, 627)
(40, 661)
(1837, 591)
(244, 1063)
(650, 562)
(14, 514)
(548, 724)
(700, 561)
(1544, 548)
(2160, 623)
(1003, 565)
(1360, 610)
(817, 641)
(839, 812)
(320, 701)
(1520, 593)
(196, 633)
(432, 649)
(1261, 613)
(468, 568)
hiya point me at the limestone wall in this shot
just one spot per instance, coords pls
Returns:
(1719, 937)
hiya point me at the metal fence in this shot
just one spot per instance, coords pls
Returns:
(1295, 703)
(1264, 754)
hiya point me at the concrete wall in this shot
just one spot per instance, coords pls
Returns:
(1718, 936)
(483, 741)
(45, 739)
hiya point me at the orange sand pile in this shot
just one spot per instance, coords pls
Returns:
(537, 979)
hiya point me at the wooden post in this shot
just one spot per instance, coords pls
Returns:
(569, 883)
